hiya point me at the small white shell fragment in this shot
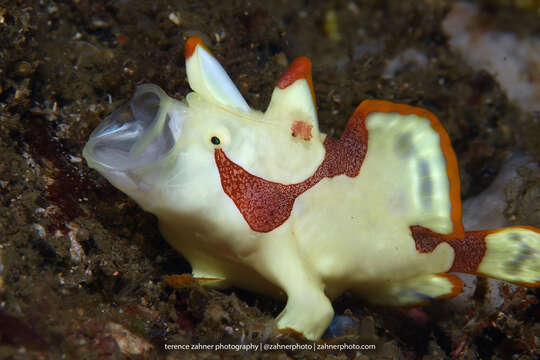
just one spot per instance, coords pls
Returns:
(128, 343)
(74, 159)
(175, 18)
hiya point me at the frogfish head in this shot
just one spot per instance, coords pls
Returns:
(161, 151)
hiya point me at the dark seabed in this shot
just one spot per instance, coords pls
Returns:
(82, 266)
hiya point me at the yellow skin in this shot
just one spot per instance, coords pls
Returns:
(342, 233)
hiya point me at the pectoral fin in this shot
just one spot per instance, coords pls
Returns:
(415, 291)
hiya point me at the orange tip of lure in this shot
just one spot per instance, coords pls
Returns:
(191, 45)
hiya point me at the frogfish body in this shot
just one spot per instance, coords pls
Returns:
(267, 202)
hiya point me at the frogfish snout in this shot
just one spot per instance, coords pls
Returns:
(136, 137)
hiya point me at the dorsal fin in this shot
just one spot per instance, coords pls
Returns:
(293, 99)
(410, 144)
(208, 78)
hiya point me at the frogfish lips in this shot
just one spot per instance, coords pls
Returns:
(136, 137)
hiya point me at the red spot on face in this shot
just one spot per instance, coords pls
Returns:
(301, 129)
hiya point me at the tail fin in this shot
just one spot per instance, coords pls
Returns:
(512, 254)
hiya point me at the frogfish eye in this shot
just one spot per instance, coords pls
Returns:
(215, 140)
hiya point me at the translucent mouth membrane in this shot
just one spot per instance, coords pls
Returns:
(141, 132)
